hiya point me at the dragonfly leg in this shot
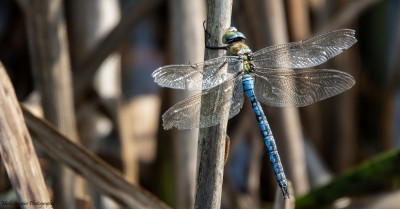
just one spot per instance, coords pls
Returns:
(250, 56)
(207, 37)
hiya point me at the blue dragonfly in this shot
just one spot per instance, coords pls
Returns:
(272, 75)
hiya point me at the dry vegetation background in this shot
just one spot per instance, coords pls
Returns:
(83, 68)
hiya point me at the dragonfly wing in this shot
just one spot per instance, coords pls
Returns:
(306, 53)
(198, 76)
(297, 88)
(186, 114)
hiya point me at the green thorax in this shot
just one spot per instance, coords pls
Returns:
(241, 49)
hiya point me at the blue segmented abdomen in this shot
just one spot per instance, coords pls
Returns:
(248, 88)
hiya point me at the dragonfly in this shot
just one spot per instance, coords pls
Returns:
(278, 76)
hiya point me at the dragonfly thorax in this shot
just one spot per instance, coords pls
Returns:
(239, 48)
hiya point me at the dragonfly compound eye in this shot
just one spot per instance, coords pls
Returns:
(232, 35)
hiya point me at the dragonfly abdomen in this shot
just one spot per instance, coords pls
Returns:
(248, 88)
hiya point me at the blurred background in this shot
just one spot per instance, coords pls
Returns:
(104, 52)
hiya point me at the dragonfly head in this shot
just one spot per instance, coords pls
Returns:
(232, 35)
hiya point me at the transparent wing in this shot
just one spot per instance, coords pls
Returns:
(306, 53)
(186, 114)
(198, 76)
(297, 88)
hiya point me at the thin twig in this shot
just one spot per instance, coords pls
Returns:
(211, 149)
(288, 134)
